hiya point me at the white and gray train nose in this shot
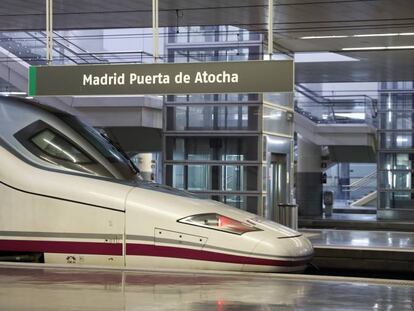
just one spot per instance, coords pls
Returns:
(289, 247)
(288, 254)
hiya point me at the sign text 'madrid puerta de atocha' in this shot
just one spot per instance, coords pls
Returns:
(135, 79)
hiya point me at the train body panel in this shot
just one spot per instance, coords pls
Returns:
(191, 246)
(38, 214)
(70, 194)
(24, 177)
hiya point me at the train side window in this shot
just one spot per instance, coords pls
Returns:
(53, 147)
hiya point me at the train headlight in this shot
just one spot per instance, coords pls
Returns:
(218, 222)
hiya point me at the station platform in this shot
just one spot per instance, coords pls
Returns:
(363, 250)
(354, 221)
(41, 287)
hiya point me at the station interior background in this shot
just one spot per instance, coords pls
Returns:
(334, 159)
(358, 124)
(347, 128)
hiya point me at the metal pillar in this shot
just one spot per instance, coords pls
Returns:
(270, 29)
(155, 30)
(49, 31)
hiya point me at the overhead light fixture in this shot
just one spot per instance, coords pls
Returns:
(359, 35)
(365, 48)
(378, 35)
(401, 47)
(13, 93)
(406, 47)
(322, 57)
(323, 37)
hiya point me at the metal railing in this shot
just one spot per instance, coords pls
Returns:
(347, 194)
(361, 182)
(361, 187)
(30, 46)
(345, 109)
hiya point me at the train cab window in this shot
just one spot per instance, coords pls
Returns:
(111, 151)
(57, 147)
(53, 147)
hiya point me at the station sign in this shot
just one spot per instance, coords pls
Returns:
(188, 78)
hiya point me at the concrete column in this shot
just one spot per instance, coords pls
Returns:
(308, 180)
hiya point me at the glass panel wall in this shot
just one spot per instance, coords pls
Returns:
(209, 34)
(279, 99)
(212, 148)
(208, 117)
(205, 177)
(214, 142)
(247, 203)
(396, 140)
(212, 99)
(396, 151)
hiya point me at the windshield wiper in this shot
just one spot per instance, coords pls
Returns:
(118, 147)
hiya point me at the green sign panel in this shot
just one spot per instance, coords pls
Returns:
(130, 79)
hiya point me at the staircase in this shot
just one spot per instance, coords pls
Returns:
(358, 197)
(366, 200)
(362, 191)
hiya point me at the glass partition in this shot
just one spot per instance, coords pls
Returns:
(396, 140)
(396, 120)
(396, 199)
(206, 177)
(396, 144)
(279, 99)
(208, 117)
(212, 148)
(392, 179)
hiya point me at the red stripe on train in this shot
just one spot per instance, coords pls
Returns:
(95, 248)
(62, 247)
(186, 253)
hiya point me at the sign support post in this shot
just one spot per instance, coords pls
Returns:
(155, 30)
(49, 31)
(270, 29)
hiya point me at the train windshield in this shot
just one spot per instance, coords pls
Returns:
(118, 158)
(110, 150)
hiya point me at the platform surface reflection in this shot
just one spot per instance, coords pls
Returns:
(362, 239)
(92, 289)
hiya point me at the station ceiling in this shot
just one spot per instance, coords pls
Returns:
(293, 20)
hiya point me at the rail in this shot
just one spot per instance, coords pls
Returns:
(30, 47)
(354, 109)
(82, 51)
(366, 182)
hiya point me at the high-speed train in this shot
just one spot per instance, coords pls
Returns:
(71, 196)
